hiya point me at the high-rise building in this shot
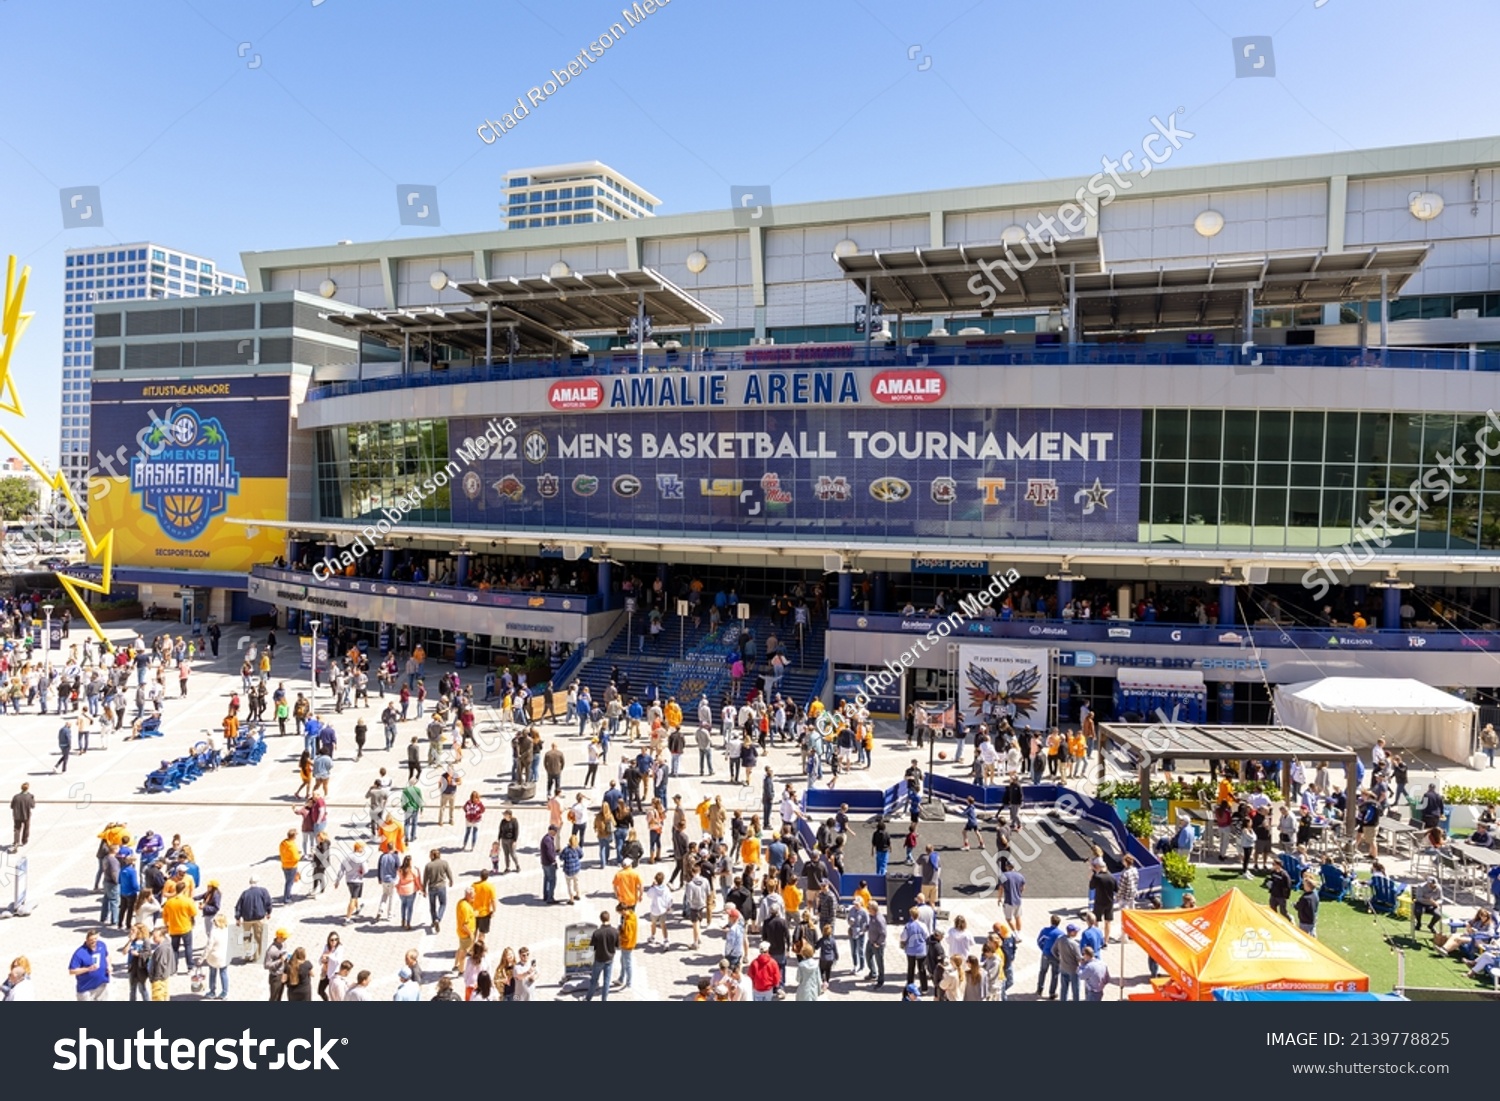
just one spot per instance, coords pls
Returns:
(572, 194)
(142, 270)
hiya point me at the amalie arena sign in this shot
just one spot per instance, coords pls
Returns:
(748, 389)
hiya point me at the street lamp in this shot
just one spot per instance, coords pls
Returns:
(47, 640)
(317, 625)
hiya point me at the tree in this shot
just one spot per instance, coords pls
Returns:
(18, 498)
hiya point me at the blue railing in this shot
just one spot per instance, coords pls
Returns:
(1230, 638)
(568, 669)
(493, 598)
(981, 352)
(817, 686)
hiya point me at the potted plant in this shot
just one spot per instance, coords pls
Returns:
(1177, 875)
(1138, 825)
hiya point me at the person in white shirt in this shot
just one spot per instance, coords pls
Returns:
(959, 942)
(18, 987)
(1378, 754)
(525, 975)
(360, 991)
(705, 713)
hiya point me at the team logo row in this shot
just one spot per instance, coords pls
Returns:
(773, 492)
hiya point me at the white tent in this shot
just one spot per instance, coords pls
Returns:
(1354, 711)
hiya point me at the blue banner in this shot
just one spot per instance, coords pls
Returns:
(950, 474)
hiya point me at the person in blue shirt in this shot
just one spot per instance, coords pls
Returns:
(408, 990)
(971, 823)
(310, 731)
(1044, 941)
(1092, 936)
(90, 969)
(571, 859)
(130, 889)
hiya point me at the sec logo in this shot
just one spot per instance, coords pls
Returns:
(535, 447)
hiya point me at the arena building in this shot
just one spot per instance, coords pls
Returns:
(1231, 426)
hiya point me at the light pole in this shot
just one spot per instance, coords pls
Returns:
(47, 640)
(317, 625)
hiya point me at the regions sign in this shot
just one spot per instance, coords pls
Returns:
(890, 471)
(175, 460)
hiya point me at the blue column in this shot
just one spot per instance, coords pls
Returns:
(293, 551)
(387, 562)
(606, 585)
(1226, 698)
(846, 592)
(330, 550)
(461, 571)
(881, 581)
(1226, 605)
(1390, 616)
(1064, 595)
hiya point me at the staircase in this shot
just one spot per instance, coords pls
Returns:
(703, 668)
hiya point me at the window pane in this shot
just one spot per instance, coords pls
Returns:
(1307, 437)
(1275, 436)
(1207, 437)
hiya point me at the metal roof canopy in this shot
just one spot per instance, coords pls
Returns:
(1126, 296)
(936, 280)
(602, 302)
(460, 326)
(1164, 741)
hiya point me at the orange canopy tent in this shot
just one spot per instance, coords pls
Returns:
(1234, 942)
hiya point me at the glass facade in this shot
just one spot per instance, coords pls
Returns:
(1277, 479)
(1209, 478)
(365, 468)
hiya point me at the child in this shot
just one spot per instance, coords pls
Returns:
(841, 819)
(494, 858)
(911, 845)
(971, 824)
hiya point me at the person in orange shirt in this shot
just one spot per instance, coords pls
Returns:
(291, 856)
(629, 935)
(231, 729)
(484, 904)
(178, 913)
(1078, 750)
(628, 886)
(750, 850)
(392, 835)
(791, 895)
(468, 928)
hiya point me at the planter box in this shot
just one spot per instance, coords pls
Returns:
(1171, 897)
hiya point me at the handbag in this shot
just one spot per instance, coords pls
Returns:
(198, 980)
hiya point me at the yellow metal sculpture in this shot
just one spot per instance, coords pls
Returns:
(101, 551)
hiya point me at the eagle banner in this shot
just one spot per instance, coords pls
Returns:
(998, 682)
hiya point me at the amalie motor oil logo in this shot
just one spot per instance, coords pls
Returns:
(908, 387)
(576, 393)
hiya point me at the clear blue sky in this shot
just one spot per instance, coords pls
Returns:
(151, 101)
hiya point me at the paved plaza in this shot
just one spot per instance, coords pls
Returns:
(234, 819)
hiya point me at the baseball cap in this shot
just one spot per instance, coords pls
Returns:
(765, 946)
(721, 990)
(627, 862)
(404, 974)
(1072, 927)
(281, 934)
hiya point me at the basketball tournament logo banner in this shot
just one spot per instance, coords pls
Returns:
(997, 681)
(186, 475)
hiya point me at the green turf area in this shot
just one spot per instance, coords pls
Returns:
(1359, 936)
